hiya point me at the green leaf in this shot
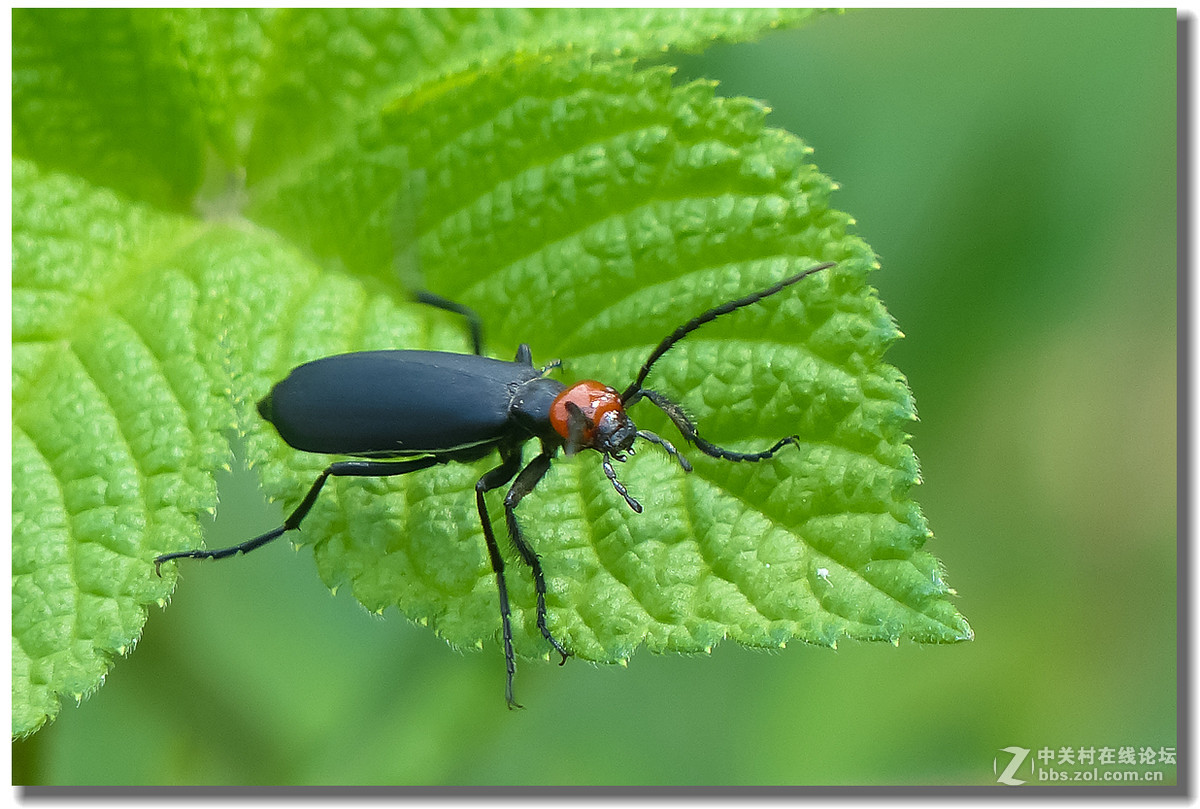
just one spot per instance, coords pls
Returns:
(581, 204)
(330, 65)
(108, 94)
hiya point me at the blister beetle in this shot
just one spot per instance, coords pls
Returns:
(403, 411)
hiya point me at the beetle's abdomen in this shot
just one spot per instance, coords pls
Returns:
(387, 403)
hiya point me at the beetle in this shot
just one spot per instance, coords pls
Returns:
(402, 411)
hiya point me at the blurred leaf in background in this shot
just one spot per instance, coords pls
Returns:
(1015, 170)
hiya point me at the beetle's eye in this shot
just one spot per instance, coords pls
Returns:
(615, 432)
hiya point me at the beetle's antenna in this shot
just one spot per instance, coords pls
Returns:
(709, 316)
(667, 445)
(688, 429)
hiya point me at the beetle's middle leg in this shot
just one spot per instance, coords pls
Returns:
(406, 236)
(494, 479)
(339, 469)
(474, 324)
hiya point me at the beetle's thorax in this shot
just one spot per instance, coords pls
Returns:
(603, 423)
(531, 403)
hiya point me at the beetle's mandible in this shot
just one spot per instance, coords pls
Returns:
(402, 411)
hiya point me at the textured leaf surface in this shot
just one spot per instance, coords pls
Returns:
(327, 66)
(581, 204)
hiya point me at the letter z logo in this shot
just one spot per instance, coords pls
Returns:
(1019, 755)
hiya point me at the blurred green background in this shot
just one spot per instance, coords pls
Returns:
(1015, 170)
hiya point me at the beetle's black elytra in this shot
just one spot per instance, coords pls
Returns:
(403, 411)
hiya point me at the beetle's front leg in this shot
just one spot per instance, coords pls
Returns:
(530, 476)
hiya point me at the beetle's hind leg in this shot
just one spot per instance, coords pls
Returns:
(339, 469)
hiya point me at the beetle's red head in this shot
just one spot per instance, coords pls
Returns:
(602, 423)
